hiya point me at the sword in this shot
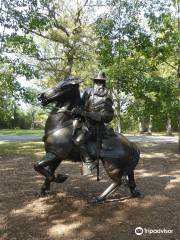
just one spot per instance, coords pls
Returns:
(98, 147)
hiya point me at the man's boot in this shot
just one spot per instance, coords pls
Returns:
(88, 163)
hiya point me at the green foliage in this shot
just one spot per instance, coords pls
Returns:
(42, 39)
(62, 27)
(135, 42)
(10, 93)
(141, 57)
(21, 44)
(155, 96)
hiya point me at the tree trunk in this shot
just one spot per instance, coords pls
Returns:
(168, 127)
(150, 125)
(15, 117)
(33, 120)
(119, 124)
(70, 62)
(178, 71)
(117, 110)
(141, 126)
(179, 134)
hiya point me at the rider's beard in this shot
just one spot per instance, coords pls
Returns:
(98, 86)
(99, 89)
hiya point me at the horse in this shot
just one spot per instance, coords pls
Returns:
(118, 155)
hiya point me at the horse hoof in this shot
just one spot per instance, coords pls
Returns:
(44, 192)
(60, 178)
(95, 200)
(135, 193)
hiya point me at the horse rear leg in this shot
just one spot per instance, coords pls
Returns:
(111, 189)
(132, 185)
(116, 175)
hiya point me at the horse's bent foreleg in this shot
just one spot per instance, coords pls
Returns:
(42, 166)
(47, 167)
(132, 185)
(60, 178)
(45, 189)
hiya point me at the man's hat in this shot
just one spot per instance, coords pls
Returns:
(101, 77)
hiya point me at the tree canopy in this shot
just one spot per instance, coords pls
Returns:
(137, 44)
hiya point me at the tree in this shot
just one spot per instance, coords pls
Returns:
(164, 23)
(10, 94)
(123, 46)
(138, 49)
(56, 34)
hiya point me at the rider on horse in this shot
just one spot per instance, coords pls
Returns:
(118, 155)
(96, 110)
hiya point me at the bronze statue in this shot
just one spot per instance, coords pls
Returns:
(71, 112)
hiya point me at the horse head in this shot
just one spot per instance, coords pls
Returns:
(66, 89)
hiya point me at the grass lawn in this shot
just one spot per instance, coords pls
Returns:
(21, 149)
(21, 132)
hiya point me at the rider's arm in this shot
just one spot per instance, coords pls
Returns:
(106, 114)
(93, 116)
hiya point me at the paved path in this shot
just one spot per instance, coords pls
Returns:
(15, 138)
(158, 139)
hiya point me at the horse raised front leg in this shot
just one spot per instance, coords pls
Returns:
(47, 160)
(132, 185)
(47, 167)
(45, 188)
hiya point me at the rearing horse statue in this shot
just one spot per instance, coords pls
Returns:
(120, 159)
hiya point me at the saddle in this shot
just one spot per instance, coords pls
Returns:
(111, 145)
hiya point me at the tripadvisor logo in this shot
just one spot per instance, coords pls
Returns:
(140, 231)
